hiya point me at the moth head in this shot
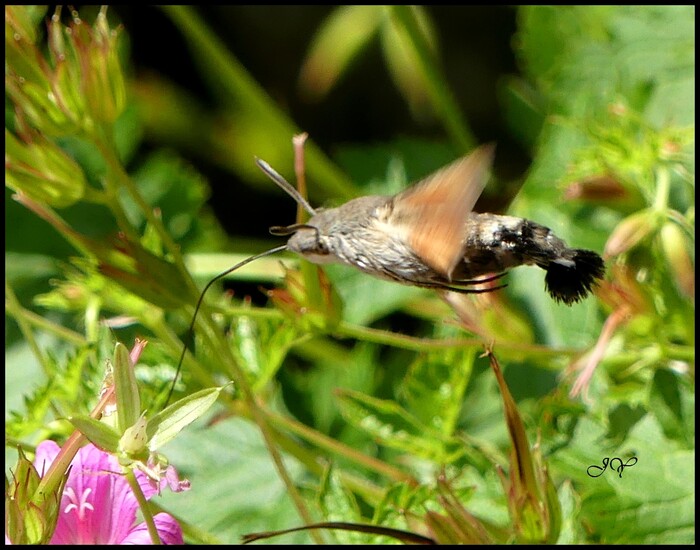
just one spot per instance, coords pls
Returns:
(306, 240)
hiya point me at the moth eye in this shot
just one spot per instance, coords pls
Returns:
(321, 247)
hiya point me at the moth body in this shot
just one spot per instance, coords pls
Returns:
(359, 234)
(428, 236)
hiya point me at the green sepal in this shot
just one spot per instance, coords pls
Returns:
(100, 434)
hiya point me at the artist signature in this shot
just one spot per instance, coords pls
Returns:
(614, 464)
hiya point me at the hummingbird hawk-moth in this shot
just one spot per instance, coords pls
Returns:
(428, 236)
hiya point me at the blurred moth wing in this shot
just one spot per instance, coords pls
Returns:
(432, 214)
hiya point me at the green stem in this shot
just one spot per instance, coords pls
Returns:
(52, 478)
(59, 331)
(143, 505)
(246, 94)
(412, 343)
(679, 353)
(333, 446)
(663, 187)
(438, 90)
(123, 180)
(15, 309)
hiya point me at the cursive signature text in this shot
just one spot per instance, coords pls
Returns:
(614, 464)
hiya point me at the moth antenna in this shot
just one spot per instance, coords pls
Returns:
(284, 184)
(190, 330)
(283, 231)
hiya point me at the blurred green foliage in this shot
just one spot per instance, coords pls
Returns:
(357, 400)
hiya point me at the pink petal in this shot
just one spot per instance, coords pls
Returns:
(110, 509)
(174, 482)
(101, 506)
(169, 530)
(46, 453)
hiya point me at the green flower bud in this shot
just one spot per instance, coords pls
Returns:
(675, 247)
(42, 171)
(134, 439)
(628, 233)
(30, 516)
(78, 88)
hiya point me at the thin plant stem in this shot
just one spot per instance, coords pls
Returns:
(331, 445)
(125, 181)
(44, 324)
(14, 308)
(143, 505)
(244, 91)
(52, 478)
(436, 85)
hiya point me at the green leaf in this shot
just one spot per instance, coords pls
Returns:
(234, 480)
(582, 56)
(261, 345)
(70, 386)
(339, 504)
(392, 425)
(399, 502)
(366, 298)
(337, 42)
(673, 407)
(165, 425)
(126, 389)
(571, 530)
(648, 502)
(100, 434)
(435, 387)
(404, 63)
(168, 183)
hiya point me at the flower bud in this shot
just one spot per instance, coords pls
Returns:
(628, 233)
(134, 439)
(78, 88)
(42, 171)
(30, 514)
(674, 246)
(600, 188)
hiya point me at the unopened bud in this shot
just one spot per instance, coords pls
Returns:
(600, 188)
(134, 439)
(79, 87)
(42, 171)
(628, 233)
(675, 247)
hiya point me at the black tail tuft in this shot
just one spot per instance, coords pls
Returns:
(570, 283)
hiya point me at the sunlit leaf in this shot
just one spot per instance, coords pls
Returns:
(165, 425)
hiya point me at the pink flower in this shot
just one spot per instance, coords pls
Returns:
(98, 506)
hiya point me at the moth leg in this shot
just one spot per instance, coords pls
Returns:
(460, 289)
(478, 280)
